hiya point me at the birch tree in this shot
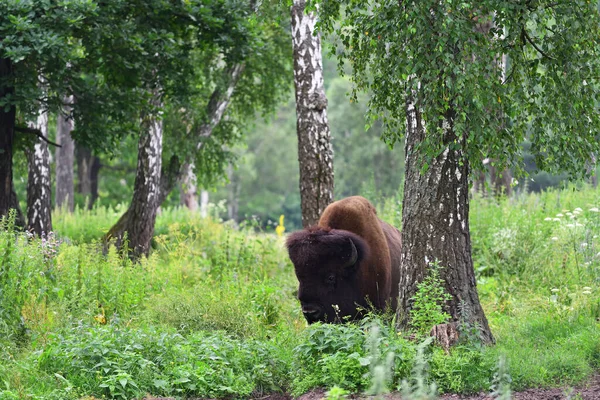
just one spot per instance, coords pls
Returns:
(436, 81)
(39, 205)
(315, 154)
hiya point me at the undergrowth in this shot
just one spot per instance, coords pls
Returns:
(212, 312)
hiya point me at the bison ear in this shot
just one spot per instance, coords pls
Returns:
(353, 255)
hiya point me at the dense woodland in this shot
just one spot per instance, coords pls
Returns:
(153, 155)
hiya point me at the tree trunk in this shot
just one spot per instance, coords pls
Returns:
(315, 154)
(204, 203)
(138, 221)
(88, 169)
(64, 159)
(39, 205)
(7, 132)
(435, 226)
(169, 176)
(189, 196)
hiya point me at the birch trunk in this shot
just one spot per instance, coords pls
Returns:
(315, 154)
(172, 172)
(64, 159)
(435, 226)
(189, 196)
(39, 219)
(141, 215)
(7, 134)
(204, 203)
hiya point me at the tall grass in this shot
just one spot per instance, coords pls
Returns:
(212, 312)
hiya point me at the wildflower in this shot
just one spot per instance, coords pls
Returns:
(587, 288)
(559, 215)
(554, 238)
(578, 224)
(280, 228)
(554, 290)
(577, 210)
(570, 225)
(547, 219)
(586, 292)
(584, 244)
(594, 209)
(556, 219)
(570, 214)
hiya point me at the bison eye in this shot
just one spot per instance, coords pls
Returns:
(330, 279)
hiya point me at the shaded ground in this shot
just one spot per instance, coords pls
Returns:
(588, 391)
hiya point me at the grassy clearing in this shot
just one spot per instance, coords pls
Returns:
(212, 313)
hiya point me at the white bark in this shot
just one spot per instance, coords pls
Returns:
(39, 220)
(315, 154)
(189, 196)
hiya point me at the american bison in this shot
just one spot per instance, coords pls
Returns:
(346, 263)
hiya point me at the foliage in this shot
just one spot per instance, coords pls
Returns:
(218, 302)
(445, 58)
(417, 388)
(428, 301)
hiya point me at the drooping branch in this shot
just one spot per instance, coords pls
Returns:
(37, 133)
(528, 38)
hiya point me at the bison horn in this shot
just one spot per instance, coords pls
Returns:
(353, 255)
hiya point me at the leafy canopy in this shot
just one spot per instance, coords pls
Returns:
(446, 57)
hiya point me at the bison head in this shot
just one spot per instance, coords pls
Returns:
(327, 262)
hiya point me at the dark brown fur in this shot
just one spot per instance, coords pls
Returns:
(332, 286)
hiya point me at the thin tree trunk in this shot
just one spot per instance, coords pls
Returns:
(189, 196)
(204, 203)
(138, 221)
(7, 132)
(315, 154)
(435, 226)
(64, 159)
(39, 219)
(88, 169)
(171, 174)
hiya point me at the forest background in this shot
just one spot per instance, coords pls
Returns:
(261, 184)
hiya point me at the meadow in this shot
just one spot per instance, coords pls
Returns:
(212, 312)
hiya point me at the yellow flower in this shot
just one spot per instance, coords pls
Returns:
(280, 228)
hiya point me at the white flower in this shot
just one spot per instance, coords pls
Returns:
(570, 225)
(578, 224)
(578, 210)
(586, 292)
(594, 209)
(584, 244)
(555, 290)
(587, 288)
(570, 214)
(547, 219)
(554, 238)
(559, 215)
(556, 219)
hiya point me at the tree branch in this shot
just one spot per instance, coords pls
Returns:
(37, 133)
(535, 46)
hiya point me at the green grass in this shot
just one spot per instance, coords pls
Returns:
(212, 312)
